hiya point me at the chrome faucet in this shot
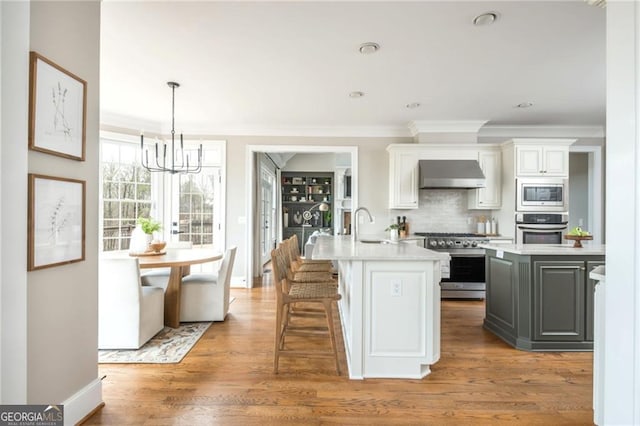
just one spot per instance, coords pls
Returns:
(355, 220)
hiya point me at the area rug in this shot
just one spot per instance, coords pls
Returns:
(169, 346)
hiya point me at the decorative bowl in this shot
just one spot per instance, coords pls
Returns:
(157, 246)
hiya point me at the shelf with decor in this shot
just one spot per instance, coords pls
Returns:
(304, 196)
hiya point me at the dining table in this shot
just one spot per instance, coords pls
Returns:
(179, 260)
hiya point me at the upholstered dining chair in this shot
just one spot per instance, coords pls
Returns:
(129, 314)
(159, 277)
(205, 297)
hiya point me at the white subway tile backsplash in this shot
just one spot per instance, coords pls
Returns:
(442, 210)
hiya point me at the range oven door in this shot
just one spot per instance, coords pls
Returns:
(539, 234)
(466, 276)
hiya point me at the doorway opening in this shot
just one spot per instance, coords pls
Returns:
(255, 225)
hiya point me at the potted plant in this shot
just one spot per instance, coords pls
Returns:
(149, 225)
(142, 235)
(393, 231)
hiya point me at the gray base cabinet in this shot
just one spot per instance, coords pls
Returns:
(541, 302)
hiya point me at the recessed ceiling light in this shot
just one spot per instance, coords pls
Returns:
(356, 94)
(369, 47)
(524, 105)
(413, 105)
(486, 18)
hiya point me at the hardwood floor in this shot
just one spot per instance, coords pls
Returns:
(227, 379)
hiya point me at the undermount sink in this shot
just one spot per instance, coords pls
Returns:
(374, 241)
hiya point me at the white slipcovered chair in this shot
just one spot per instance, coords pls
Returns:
(205, 297)
(159, 277)
(128, 313)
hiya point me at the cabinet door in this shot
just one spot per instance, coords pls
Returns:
(403, 181)
(589, 300)
(529, 161)
(490, 196)
(556, 161)
(559, 301)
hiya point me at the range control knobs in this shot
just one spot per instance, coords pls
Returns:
(433, 243)
(449, 243)
(474, 244)
(465, 243)
(441, 243)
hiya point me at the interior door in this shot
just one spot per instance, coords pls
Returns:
(268, 224)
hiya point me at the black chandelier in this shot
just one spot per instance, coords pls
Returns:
(179, 162)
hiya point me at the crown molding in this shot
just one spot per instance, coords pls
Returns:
(108, 119)
(445, 126)
(540, 131)
(308, 131)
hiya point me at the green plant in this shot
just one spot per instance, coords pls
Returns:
(393, 226)
(327, 217)
(149, 225)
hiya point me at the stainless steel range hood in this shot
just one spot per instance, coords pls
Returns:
(450, 174)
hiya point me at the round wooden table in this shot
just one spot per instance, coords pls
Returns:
(180, 261)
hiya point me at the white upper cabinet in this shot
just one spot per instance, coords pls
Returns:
(542, 160)
(488, 197)
(403, 180)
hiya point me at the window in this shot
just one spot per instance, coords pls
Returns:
(126, 193)
(188, 205)
(197, 215)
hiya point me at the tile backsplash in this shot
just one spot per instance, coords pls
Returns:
(442, 210)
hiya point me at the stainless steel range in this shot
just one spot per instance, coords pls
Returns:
(467, 271)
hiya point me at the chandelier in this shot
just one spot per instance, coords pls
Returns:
(179, 161)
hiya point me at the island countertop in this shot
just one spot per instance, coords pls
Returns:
(344, 248)
(548, 249)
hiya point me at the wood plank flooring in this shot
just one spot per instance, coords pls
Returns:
(227, 379)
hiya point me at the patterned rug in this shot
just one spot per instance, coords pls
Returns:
(168, 346)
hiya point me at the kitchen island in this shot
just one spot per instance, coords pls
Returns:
(540, 297)
(390, 306)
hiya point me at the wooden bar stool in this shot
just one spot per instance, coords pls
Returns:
(289, 294)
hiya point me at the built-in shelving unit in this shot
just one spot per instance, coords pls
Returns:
(305, 191)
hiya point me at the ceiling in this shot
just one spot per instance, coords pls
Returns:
(288, 67)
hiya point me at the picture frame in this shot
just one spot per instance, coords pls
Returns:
(57, 109)
(56, 221)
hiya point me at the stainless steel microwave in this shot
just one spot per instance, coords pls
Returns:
(542, 195)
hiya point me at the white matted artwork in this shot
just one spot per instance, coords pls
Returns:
(57, 109)
(56, 223)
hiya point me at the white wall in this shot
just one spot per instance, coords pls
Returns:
(13, 221)
(621, 387)
(62, 301)
(311, 163)
(579, 190)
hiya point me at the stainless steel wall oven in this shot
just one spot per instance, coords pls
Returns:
(540, 228)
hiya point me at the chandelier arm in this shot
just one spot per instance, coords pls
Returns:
(178, 164)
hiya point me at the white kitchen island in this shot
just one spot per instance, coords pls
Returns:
(390, 306)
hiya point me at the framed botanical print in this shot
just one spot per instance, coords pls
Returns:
(57, 109)
(56, 221)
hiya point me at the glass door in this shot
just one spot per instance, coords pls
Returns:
(268, 222)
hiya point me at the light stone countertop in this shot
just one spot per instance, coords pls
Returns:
(548, 249)
(598, 274)
(344, 248)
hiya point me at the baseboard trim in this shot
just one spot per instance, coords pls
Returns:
(83, 403)
(88, 416)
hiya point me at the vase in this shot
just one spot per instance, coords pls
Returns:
(393, 234)
(139, 241)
